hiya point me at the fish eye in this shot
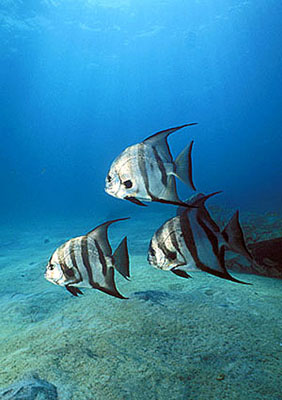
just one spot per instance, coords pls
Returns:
(172, 255)
(128, 184)
(109, 178)
(152, 252)
(51, 267)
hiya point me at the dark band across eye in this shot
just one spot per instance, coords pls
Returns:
(128, 184)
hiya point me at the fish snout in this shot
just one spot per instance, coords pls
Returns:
(112, 185)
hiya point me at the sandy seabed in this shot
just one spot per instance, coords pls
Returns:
(202, 338)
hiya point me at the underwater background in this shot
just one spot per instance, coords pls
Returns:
(80, 80)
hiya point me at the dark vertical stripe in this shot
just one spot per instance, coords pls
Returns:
(161, 243)
(210, 235)
(174, 237)
(190, 243)
(67, 269)
(189, 239)
(85, 259)
(61, 257)
(101, 258)
(142, 167)
(73, 259)
(218, 253)
(161, 166)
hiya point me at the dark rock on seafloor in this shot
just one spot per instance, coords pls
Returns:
(267, 255)
(31, 387)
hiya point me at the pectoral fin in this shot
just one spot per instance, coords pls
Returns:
(159, 140)
(162, 135)
(135, 201)
(74, 290)
(179, 272)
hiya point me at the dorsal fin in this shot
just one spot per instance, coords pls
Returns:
(160, 139)
(162, 135)
(200, 199)
(196, 201)
(100, 233)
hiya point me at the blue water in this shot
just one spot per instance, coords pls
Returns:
(82, 80)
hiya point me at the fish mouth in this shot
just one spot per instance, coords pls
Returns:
(52, 280)
(111, 189)
(49, 279)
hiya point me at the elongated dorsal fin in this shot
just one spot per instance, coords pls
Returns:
(200, 199)
(162, 135)
(100, 233)
(196, 201)
(159, 140)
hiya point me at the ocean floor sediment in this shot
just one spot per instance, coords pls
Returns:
(202, 338)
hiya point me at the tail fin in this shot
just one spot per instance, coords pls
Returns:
(121, 259)
(234, 237)
(183, 165)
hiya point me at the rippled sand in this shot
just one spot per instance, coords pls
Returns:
(203, 338)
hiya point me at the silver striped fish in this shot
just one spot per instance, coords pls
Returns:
(146, 171)
(193, 241)
(87, 261)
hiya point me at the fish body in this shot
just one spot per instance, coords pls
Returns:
(87, 261)
(193, 241)
(146, 171)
